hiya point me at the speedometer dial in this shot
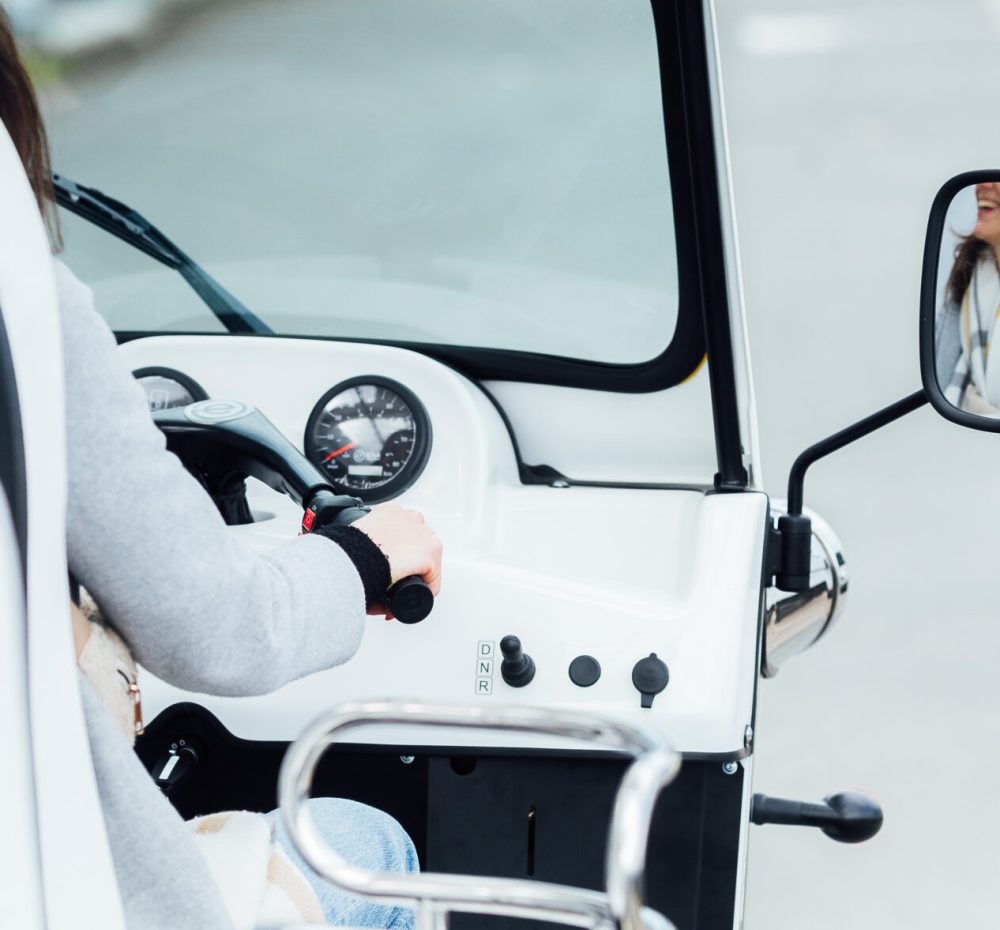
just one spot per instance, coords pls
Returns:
(370, 436)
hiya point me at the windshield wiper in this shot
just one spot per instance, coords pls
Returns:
(131, 227)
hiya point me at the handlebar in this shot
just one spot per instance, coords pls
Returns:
(227, 440)
(409, 599)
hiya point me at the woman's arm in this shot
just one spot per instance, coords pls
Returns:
(198, 607)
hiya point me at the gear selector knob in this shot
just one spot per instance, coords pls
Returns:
(517, 668)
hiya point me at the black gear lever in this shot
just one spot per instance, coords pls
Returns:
(517, 668)
(224, 441)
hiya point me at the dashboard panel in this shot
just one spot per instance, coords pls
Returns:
(615, 574)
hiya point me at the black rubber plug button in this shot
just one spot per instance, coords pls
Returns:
(584, 671)
(517, 667)
(650, 677)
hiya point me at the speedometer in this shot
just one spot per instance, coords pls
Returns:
(370, 436)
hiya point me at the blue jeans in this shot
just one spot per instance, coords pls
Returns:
(366, 837)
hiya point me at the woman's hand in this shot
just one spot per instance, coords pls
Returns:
(409, 544)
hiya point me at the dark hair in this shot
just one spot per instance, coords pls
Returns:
(20, 115)
(970, 250)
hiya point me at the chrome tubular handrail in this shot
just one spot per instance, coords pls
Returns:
(630, 822)
(434, 895)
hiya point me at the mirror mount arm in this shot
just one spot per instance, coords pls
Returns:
(789, 545)
(821, 449)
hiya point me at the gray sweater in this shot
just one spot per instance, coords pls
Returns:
(197, 607)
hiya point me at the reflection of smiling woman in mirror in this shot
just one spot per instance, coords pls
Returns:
(969, 375)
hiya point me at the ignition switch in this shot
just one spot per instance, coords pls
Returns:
(179, 761)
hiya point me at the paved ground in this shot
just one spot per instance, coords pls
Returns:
(843, 120)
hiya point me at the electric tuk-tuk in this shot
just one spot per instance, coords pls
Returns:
(572, 722)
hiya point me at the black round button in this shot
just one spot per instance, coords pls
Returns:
(584, 671)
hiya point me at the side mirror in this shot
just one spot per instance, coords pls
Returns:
(960, 301)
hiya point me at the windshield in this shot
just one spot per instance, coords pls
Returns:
(489, 174)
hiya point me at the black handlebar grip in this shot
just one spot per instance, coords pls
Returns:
(409, 599)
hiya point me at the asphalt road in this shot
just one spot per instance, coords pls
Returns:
(843, 122)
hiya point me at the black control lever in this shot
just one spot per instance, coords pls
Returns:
(847, 817)
(517, 668)
(227, 440)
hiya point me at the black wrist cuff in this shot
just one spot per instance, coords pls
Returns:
(368, 559)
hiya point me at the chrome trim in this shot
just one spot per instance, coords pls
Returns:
(794, 622)
(833, 550)
(434, 895)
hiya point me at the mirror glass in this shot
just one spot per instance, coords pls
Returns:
(966, 337)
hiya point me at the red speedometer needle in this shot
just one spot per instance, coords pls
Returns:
(340, 451)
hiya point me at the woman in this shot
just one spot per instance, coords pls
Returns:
(201, 611)
(968, 374)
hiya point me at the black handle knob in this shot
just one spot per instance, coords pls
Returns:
(858, 817)
(847, 817)
(517, 667)
(409, 599)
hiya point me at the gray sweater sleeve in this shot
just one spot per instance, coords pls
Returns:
(198, 607)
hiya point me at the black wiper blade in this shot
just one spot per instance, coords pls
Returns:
(133, 228)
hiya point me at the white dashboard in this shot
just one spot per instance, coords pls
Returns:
(616, 574)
